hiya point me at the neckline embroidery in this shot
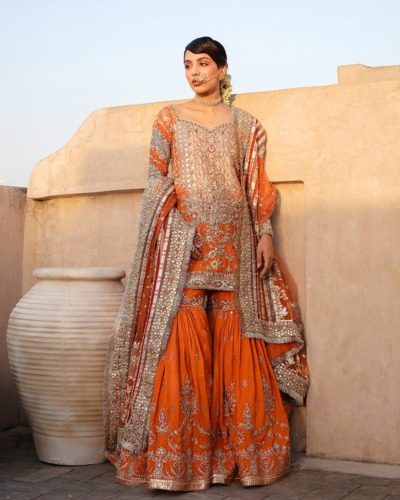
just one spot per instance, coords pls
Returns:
(197, 124)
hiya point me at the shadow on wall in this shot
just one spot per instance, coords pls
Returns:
(12, 217)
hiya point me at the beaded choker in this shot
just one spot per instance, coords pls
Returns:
(205, 102)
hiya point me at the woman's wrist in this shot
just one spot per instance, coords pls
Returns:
(266, 229)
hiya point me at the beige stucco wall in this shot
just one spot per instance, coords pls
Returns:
(83, 231)
(358, 73)
(12, 208)
(106, 154)
(334, 153)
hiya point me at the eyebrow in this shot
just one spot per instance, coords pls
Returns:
(199, 59)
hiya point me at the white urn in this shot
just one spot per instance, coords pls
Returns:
(57, 340)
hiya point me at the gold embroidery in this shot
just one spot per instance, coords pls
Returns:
(204, 166)
(258, 462)
(196, 301)
(205, 177)
(221, 305)
(210, 281)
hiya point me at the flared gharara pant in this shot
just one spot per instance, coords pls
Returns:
(217, 413)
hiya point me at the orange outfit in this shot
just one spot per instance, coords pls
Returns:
(193, 398)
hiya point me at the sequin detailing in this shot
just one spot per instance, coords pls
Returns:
(210, 281)
(205, 172)
(196, 301)
(266, 228)
(221, 305)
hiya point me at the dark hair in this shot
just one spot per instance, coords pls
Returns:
(206, 45)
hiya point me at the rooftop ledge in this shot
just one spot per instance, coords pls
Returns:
(109, 151)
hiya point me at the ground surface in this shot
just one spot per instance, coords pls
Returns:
(23, 476)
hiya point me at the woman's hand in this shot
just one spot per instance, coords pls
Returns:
(265, 254)
(195, 252)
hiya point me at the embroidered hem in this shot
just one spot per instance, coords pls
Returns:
(250, 480)
(165, 484)
(172, 485)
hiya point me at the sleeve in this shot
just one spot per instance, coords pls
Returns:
(264, 194)
(160, 144)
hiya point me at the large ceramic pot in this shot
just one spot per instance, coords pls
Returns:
(57, 341)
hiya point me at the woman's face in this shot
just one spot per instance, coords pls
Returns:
(201, 68)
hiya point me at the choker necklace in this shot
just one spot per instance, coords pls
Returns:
(205, 102)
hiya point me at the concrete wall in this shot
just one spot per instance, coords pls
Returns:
(334, 153)
(12, 212)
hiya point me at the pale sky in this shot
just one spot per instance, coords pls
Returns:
(62, 59)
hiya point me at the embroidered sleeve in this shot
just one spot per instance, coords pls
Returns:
(160, 151)
(264, 189)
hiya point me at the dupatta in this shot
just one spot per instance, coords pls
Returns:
(268, 306)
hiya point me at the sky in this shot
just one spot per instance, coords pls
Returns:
(62, 59)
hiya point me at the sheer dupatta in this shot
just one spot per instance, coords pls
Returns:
(150, 302)
(268, 306)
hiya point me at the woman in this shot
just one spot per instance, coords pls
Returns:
(208, 336)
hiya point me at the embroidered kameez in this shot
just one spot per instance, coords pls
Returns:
(202, 349)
